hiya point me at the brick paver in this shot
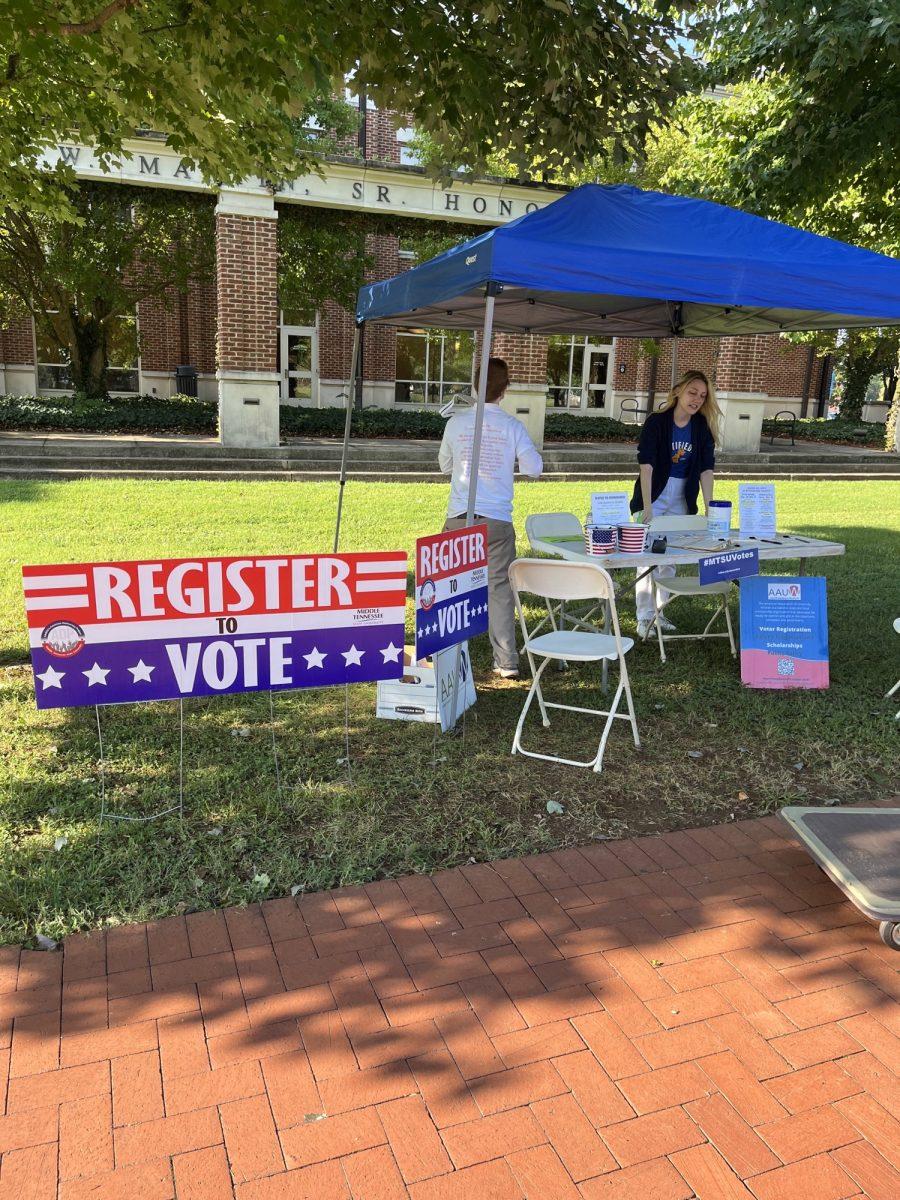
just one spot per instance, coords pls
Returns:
(698, 1015)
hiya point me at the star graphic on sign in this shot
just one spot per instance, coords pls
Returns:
(315, 658)
(391, 653)
(51, 678)
(96, 675)
(141, 673)
(352, 657)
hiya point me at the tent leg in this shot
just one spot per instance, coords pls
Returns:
(486, 338)
(354, 359)
(674, 361)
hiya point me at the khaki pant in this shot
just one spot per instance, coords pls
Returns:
(501, 604)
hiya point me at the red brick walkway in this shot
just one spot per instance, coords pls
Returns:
(699, 1014)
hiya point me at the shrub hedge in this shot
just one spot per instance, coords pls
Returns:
(187, 414)
(820, 429)
(137, 414)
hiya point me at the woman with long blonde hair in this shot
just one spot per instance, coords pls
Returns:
(677, 459)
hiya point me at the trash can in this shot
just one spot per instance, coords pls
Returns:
(186, 381)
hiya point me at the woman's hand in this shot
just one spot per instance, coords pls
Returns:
(646, 515)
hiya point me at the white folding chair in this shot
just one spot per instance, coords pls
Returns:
(887, 695)
(686, 585)
(541, 527)
(564, 581)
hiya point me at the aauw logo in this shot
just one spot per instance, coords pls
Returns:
(470, 259)
(783, 591)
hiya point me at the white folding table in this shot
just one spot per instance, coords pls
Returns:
(685, 548)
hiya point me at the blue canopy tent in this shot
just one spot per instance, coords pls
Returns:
(625, 262)
(629, 263)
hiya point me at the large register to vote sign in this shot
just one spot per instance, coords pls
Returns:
(112, 633)
(451, 588)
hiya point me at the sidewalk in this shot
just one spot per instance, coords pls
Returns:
(695, 1015)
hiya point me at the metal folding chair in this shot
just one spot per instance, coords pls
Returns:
(887, 695)
(686, 585)
(570, 581)
(542, 527)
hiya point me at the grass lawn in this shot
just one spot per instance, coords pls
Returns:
(408, 801)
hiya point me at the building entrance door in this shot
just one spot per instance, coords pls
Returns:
(299, 364)
(595, 376)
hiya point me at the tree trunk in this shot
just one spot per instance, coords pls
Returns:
(88, 357)
(857, 373)
(889, 377)
(891, 430)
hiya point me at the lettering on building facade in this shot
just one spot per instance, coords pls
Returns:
(342, 186)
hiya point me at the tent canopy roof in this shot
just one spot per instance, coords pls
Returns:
(618, 261)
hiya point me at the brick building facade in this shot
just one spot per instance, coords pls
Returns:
(233, 330)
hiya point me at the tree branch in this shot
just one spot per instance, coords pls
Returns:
(95, 23)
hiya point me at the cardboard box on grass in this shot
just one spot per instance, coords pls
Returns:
(425, 693)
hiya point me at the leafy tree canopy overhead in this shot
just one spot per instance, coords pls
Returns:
(832, 75)
(716, 149)
(225, 80)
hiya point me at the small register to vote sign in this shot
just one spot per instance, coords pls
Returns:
(451, 588)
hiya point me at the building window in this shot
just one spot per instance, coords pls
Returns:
(408, 155)
(578, 373)
(433, 364)
(122, 374)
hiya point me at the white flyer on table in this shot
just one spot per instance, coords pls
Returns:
(756, 504)
(610, 508)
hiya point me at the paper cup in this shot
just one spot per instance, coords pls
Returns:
(719, 518)
(599, 539)
(632, 538)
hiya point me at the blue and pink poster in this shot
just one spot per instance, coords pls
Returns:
(113, 633)
(784, 632)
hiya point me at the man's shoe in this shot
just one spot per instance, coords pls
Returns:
(643, 628)
(506, 672)
(665, 624)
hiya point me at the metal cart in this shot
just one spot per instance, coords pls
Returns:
(859, 849)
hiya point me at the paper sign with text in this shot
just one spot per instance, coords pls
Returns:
(732, 564)
(756, 505)
(610, 508)
(113, 633)
(784, 632)
(451, 588)
(444, 664)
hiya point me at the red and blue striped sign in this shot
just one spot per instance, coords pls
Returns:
(112, 633)
(451, 588)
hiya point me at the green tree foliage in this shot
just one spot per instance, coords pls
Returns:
(810, 136)
(77, 279)
(226, 80)
(711, 149)
(324, 255)
(831, 71)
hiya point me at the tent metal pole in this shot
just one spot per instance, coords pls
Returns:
(354, 359)
(486, 336)
(674, 361)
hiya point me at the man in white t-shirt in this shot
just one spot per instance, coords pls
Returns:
(504, 439)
